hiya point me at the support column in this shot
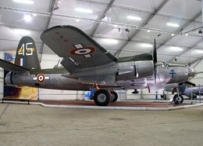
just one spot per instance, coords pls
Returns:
(1, 77)
(141, 94)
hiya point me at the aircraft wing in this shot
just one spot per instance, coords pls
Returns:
(77, 48)
(12, 67)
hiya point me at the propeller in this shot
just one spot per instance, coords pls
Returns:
(155, 60)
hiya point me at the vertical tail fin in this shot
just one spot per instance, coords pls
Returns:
(26, 54)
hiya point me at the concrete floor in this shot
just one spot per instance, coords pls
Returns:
(32, 125)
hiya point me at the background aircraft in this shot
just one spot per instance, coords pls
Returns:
(188, 89)
(88, 66)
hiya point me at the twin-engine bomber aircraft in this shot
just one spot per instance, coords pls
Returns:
(88, 66)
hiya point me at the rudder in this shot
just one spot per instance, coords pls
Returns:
(26, 54)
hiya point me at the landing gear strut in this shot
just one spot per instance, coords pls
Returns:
(102, 97)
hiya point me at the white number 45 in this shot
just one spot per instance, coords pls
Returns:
(25, 50)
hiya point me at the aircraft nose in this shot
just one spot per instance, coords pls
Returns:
(191, 72)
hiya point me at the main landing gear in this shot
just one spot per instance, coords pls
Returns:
(102, 97)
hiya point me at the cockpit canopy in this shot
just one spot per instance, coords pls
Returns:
(164, 64)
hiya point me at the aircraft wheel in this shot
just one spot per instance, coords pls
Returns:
(114, 96)
(182, 99)
(102, 97)
(178, 100)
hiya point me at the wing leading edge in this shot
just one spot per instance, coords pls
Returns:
(77, 48)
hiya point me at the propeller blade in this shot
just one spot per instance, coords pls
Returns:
(154, 53)
(155, 60)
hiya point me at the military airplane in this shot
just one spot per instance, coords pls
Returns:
(88, 66)
(188, 89)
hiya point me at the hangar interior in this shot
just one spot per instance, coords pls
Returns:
(124, 28)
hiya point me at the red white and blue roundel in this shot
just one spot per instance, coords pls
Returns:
(82, 51)
(41, 78)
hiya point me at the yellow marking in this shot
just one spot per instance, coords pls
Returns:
(33, 49)
(20, 50)
(30, 50)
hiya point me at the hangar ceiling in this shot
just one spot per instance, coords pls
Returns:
(124, 28)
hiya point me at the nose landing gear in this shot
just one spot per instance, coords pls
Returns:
(178, 99)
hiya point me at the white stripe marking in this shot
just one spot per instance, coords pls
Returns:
(78, 46)
(46, 78)
(87, 56)
(21, 61)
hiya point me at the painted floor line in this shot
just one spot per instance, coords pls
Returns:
(118, 108)
(109, 107)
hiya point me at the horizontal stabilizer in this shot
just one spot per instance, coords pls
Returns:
(12, 67)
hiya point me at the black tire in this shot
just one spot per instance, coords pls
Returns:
(102, 97)
(114, 96)
(182, 99)
(178, 100)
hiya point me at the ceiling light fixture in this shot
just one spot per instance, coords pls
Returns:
(27, 18)
(24, 1)
(172, 24)
(134, 18)
(111, 41)
(83, 10)
(199, 51)
(172, 34)
(34, 14)
(147, 45)
(186, 34)
(148, 30)
(176, 49)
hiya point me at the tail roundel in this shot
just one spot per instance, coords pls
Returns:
(26, 54)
